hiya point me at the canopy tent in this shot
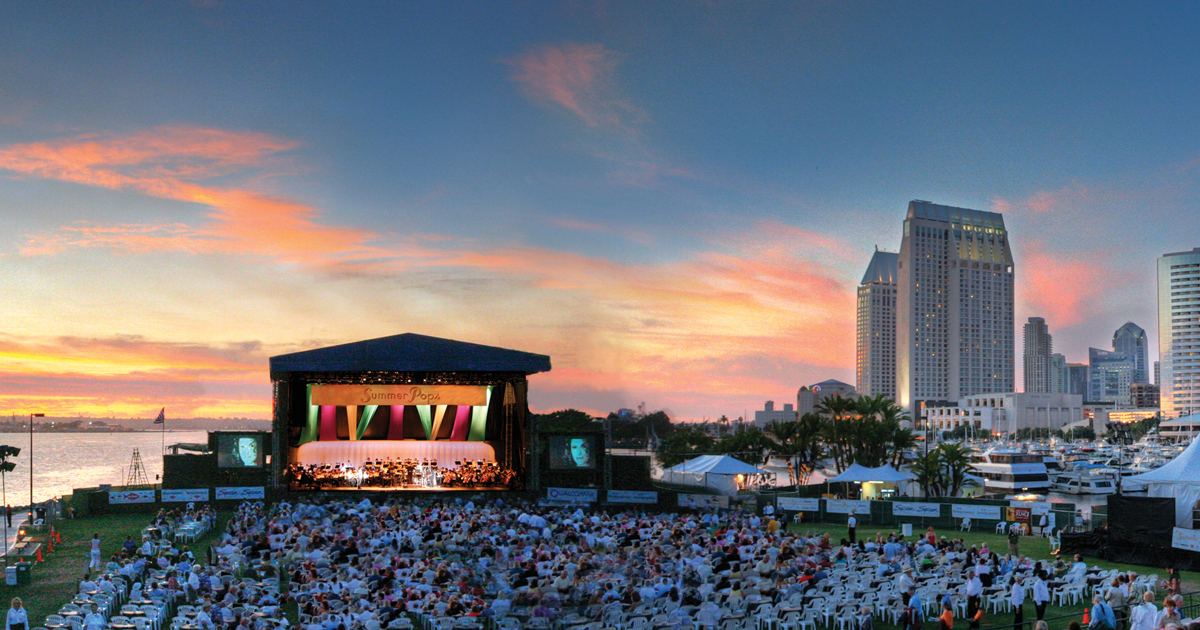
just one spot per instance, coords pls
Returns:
(883, 474)
(1179, 478)
(718, 472)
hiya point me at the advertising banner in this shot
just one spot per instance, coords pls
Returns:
(632, 496)
(840, 506)
(967, 510)
(352, 395)
(1039, 507)
(130, 496)
(183, 496)
(1017, 514)
(697, 501)
(573, 495)
(1185, 539)
(241, 493)
(928, 510)
(795, 504)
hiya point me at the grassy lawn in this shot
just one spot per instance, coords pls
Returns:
(1034, 547)
(57, 578)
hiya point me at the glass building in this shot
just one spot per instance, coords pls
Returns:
(1179, 333)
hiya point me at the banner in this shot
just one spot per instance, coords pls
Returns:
(796, 504)
(130, 496)
(968, 510)
(928, 510)
(352, 395)
(840, 506)
(1017, 514)
(698, 501)
(183, 496)
(1039, 507)
(241, 492)
(632, 496)
(573, 495)
(1185, 539)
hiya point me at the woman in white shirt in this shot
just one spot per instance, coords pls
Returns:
(17, 619)
(1144, 615)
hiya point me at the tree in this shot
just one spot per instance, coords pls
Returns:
(799, 443)
(566, 420)
(684, 444)
(749, 445)
(866, 431)
(943, 471)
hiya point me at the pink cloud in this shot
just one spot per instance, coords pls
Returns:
(580, 78)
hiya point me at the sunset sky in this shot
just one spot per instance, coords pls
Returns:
(674, 200)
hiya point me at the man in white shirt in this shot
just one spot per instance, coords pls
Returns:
(974, 590)
(904, 582)
(851, 526)
(1017, 598)
(1041, 595)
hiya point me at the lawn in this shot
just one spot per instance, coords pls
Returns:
(57, 578)
(1034, 547)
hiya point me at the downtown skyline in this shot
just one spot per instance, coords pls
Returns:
(675, 202)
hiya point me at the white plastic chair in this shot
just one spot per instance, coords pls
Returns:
(966, 524)
(1002, 527)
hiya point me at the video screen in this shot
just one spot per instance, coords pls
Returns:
(573, 452)
(239, 451)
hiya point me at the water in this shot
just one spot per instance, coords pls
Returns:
(64, 461)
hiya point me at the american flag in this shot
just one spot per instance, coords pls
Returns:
(162, 418)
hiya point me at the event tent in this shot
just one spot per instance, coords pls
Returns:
(718, 472)
(1179, 478)
(883, 474)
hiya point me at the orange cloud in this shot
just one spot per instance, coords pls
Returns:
(580, 78)
(1065, 288)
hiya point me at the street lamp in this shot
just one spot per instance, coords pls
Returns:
(6, 467)
(31, 417)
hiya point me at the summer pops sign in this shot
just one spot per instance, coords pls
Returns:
(352, 395)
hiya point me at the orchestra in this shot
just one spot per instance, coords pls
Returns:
(409, 474)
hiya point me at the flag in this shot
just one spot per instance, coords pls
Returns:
(162, 418)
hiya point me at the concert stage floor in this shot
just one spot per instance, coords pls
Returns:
(420, 489)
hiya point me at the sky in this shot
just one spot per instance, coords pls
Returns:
(674, 200)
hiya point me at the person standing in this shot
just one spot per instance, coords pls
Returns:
(851, 526)
(17, 618)
(1041, 594)
(1116, 599)
(95, 553)
(974, 589)
(1103, 617)
(1017, 598)
(1144, 615)
(1014, 540)
(912, 609)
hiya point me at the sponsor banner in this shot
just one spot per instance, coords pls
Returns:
(1039, 507)
(1185, 539)
(573, 495)
(1017, 514)
(632, 496)
(130, 496)
(183, 496)
(931, 510)
(241, 492)
(796, 504)
(352, 395)
(698, 501)
(839, 506)
(967, 510)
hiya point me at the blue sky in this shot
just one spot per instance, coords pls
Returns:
(673, 200)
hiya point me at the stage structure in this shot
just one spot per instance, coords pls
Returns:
(407, 412)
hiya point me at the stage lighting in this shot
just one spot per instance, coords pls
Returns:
(7, 466)
(9, 451)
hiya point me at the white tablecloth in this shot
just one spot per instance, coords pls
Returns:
(358, 451)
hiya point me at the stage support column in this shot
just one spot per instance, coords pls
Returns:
(352, 421)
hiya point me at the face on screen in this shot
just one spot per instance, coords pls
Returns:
(581, 452)
(247, 451)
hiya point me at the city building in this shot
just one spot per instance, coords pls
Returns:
(768, 414)
(1179, 333)
(1110, 375)
(1058, 374)
(1077, 378)
(1130, 340)
(809, 397)
(876, 342)
(1005, 413)
(954, 298)
(1143, 396)
(1038, 347)
(1098, 415)
(1182, 429)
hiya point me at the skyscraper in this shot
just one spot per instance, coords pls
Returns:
(1179, 333)
(1038, 347)
(1059, 378)
(954, 298)
(1109, 376)
(876, 348)
(1130, 340)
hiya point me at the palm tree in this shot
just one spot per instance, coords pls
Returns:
(956, 464)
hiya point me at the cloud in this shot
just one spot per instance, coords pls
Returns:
(580, 78)
(1066, 288)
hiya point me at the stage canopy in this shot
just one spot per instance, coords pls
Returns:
(410, 353)
(1179, 478)
(718, 472)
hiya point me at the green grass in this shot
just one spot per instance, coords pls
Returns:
(1033, 547)
(56, 579)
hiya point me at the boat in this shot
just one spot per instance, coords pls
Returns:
(1012, 472)
(1084, 482)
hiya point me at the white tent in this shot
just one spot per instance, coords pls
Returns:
(1180, 479)
(883, 474)
(718, 472)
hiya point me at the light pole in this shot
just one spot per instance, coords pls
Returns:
(6, 467)
(31, 417)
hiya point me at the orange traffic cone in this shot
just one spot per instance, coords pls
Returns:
(39, 554)
(1086, 617)
(57, 537)
(50, 542)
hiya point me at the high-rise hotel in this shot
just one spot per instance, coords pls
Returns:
(954, 298)
(876, 347)
(1179, 333)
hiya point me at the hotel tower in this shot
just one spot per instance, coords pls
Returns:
(1179, 333)
(954, 298)
(876, 347)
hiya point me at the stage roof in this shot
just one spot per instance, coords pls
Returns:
(410, 353)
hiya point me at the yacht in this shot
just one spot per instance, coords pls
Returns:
(1012, 472)
(1084, 482)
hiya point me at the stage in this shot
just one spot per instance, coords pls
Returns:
(447, 454)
